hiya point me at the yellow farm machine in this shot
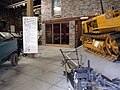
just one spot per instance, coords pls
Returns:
(101, 35)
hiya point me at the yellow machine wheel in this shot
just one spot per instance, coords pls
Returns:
(112, 46)
(108, 46)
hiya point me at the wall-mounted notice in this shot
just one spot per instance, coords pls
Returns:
(12, 28)
(30, 28)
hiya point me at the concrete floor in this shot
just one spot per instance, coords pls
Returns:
(44, 72)
(100, 65)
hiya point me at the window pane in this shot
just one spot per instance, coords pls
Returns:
(56, 10)
(65, 33)
(56, 33)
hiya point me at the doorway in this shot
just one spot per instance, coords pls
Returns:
(57, 33)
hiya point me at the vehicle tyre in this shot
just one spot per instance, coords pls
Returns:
(14, 59)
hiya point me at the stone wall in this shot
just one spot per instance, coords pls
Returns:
(46, 9)
(72, 33)
(43, 34)
(76, 8)
(107, 4)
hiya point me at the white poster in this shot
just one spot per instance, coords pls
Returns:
(30, 28)
(96, 43)
(12, 28)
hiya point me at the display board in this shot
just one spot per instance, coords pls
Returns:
(30, 40)
(12, 28)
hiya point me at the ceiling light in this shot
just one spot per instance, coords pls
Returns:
(23, 4)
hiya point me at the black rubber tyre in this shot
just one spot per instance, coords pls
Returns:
(14, 59)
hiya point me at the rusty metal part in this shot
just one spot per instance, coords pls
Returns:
(113, 44)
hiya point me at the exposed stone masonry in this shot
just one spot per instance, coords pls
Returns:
(75, 8)
(72, 33)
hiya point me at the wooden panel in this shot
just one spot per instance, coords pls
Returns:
(63, 19)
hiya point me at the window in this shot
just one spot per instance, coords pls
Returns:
(56, 8)
(57, 33)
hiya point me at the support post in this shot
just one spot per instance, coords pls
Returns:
(30, 13)
(101, 3)
(29, 7)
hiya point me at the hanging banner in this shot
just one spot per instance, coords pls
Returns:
(30, 40)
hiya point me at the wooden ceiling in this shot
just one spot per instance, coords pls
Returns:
(9, 2)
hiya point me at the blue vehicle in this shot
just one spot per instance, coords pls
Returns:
(8, 48)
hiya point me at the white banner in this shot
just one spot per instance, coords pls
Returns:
(30, 40)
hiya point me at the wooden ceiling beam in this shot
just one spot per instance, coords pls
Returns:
(3, 4)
